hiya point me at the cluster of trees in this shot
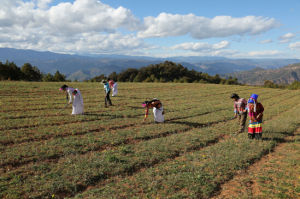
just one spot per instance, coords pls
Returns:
(10, 71)
(293, 86)
(165, 72)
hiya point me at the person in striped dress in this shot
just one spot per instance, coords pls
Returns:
(255, 110)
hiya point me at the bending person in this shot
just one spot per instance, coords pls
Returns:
(240, 111)
(74, 97)
(158, 110)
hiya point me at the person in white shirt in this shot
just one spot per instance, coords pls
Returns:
(74, 96)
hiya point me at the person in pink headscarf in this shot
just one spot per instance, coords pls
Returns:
(255, 110)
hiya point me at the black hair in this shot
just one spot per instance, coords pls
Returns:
(74, 92)
(235, 96)
(63, 87)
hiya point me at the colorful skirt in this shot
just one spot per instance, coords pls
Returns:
(255, 127)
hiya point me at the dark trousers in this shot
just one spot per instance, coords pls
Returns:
(107, 99)
(257, 136)
(242, 122)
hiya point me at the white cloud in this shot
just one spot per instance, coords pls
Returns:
(77, 17)
(82, 25)
(43, 4)
(286, 37)
(199, 46)
(200, 27)
(267, 53)
(90, 26)
(267, 41)
(295, 46)
(174, 53)
(82, 43)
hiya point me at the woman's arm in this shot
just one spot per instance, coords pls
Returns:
(146, 113)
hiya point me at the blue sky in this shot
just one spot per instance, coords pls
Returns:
(231, 28)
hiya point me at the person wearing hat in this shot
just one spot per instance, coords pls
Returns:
(76, 100)
(107, 92)
(240, 111)
(255, 110)
(158, 110)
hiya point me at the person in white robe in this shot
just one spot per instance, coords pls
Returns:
(115, 89)
(158, 110)
(74, 97)
(77, 104)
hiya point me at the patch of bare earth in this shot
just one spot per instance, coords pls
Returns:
(277, 175)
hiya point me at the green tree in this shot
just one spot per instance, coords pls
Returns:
(10, 71)
(48, 78)
(58, 77)
(113, 76)
(31, 73)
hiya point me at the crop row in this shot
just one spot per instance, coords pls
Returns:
(88, 169)
(24, 122)
(39, 133)
(199, 174)
(34, 151)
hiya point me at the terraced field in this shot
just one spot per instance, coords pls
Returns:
(111, 153)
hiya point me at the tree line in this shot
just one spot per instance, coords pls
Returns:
(293, 86)
(165, 72)
(10, 71)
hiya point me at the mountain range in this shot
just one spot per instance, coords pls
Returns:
(257, 76)
(82, 67)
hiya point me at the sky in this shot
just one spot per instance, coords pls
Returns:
(156, 28)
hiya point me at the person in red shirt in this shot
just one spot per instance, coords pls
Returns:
(111, 83)
(240, 111)
(114, 87)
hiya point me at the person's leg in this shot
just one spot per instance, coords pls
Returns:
(105, 100)
(257, 136)
(251, 131)
(108, 98)
(243, 122)
(260, 136)
(251, 135)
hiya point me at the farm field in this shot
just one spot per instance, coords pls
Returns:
(111, 153)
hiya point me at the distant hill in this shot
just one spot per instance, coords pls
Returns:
(85, 67)
(257, 76)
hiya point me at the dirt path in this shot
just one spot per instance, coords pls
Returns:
(277, 175)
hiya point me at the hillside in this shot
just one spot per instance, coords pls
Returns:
(82, 67)
(257, 76)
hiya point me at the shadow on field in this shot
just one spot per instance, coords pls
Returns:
(279, 139)
(191, 124)
(94, 114)
(135, 107)
(112, 116)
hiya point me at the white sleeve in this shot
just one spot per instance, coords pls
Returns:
(70, 95)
